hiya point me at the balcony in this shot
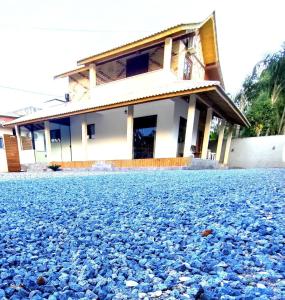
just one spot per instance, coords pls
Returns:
(129, 85)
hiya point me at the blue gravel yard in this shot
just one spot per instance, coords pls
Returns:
(149, 235)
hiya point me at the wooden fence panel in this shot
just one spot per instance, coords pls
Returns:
(12, 153)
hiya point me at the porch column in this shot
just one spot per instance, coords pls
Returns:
(189, 126)
(92, 79)
(17, 130)
(220, 140)
(47, 140)
(207, 133)
(130, 131)
(228, 145)
(167, 54)
(84, 138)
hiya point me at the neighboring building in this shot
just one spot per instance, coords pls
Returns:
(25, 111)
(151, 98)
(9, 150)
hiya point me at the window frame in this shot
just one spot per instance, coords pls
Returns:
(57, 138)
(91, 135)
(1, 143)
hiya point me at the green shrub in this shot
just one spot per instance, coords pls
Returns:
(54, 167)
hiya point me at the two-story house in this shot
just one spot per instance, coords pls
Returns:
(153, 98)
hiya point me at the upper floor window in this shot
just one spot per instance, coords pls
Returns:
(55, 136)
(137, 65)
(91, 131)
(187, 68)
(1, 143)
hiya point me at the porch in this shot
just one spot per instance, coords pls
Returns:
(160, 134)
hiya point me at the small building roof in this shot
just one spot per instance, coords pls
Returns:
(169, 89)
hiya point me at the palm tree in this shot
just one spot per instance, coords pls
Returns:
(263, 95)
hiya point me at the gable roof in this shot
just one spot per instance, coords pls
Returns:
(142, 42)
(207, 29)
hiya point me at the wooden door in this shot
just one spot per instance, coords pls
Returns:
(12, 153)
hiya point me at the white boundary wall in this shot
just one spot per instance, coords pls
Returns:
(3, 160)
(258, 152)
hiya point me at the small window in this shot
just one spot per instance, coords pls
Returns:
(187, 68)
(91, 131)
(55, 136)
(137, 65)
(1, 143)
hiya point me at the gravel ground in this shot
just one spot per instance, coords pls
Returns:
(149, 235)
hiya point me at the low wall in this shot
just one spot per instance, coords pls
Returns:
(3, 161)
(258, 152)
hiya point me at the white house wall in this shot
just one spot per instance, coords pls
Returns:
(165, 141)
(181, 109)
(111, 132)
(110, 136)
(61, 151)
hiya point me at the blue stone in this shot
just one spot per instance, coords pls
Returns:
(23, 293)
(17, 279)
(9, 291)
(2, 293)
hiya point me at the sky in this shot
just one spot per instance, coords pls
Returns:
(40, 39)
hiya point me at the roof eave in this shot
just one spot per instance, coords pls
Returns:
(71, 72)
(243, 120)
(242, 117)
(152, 39)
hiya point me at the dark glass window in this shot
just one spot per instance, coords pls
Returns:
(181, 136)
(91, 131)
(187, 68)
(137, 65)
(144, 136)
(55, 136)
(1, 143)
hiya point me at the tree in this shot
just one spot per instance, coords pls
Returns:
(262, 96)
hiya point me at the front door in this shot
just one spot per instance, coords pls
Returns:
(144, 136)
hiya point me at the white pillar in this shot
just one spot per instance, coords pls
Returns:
(207, 133)
(167, 54)
(84, 138)
(92, 80)
(189, 126)
(47, 139)
(228, 145)
(130, 131)
(19, 142)
(220, 140)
